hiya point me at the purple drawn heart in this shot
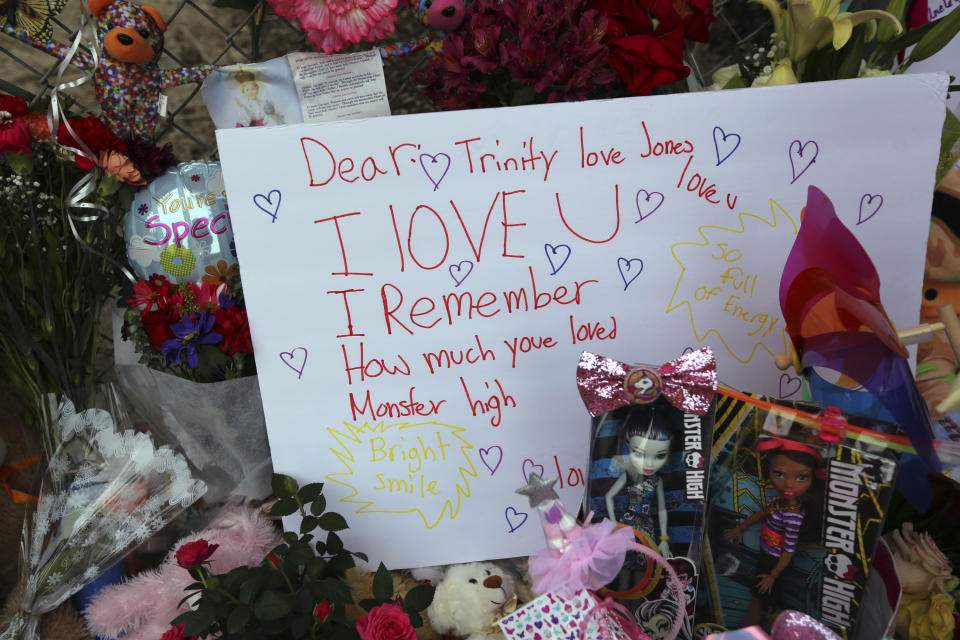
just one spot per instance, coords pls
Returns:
(433, 167)
(866, 204)
(688, 350)
(492, 452)
(648, 204)
(292, 360)
(789, 385)
(533, 467)
(538, 624)
(800, 151)
(631, 268)
(456, 269)
(551, 251)
(722, 140)
(515, 519)
(265, 203)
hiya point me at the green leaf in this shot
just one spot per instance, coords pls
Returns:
(321, 547)
(249, 590)
(943, 32)
(418, 598)
(200, 622)
(284, 507)
(736, 82)
(237, 619)
(273, 605)
(949, 149)
(331, 521)
(382, 584)
(370, 603)
(307, 524)
(342, 561)
(336, 590)
(908, 38)
(283, 486)
(309, 492)
(318, 505)
(300, 625)
(851, 55)
(360, 555)
(334, 543)
(884, 30)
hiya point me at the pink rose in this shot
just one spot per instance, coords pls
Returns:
(386, 622)
(322, 611)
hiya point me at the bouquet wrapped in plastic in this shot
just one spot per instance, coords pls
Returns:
(107, 490)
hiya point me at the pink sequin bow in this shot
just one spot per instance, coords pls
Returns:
(688, 382)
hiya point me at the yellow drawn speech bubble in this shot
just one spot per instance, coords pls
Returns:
(404, 468)
(729, 288)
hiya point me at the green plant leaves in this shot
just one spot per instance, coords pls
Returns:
(418, 598)
(937, 37)
(331, 521)
(272, 605)
(382, 584)
(283, 486)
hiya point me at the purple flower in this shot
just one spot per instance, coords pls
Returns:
(225, 300)
(192, 330)
(142, 209)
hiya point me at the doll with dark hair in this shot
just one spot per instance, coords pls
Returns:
(647, 435)
(791, 468)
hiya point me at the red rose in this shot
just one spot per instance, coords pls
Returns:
(176, 633)
(274, 560)
(13, 105)
(386, 622)
(195, 553)
(93, 133)
(645, 62)
(156, 324)
(322, 611)
(697, 16)
(15, 136)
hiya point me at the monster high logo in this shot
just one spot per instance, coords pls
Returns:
(693, 458)
(837, 595)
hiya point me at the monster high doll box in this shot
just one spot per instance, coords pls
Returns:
(649, 471)
(793, 521)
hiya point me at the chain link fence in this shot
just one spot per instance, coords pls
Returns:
(200, 33)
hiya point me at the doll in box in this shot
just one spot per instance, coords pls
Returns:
(648, 437)
(791, 468)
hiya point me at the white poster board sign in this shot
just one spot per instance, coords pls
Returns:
(420, 287)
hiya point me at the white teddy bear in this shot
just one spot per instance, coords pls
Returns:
(470, 599)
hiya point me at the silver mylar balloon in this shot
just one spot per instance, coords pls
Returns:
(178, 225)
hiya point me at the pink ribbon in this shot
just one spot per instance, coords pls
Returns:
(688, 382)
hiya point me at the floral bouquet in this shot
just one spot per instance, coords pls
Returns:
(300, 589)
(58, 263)
(107, 491)
(176, 335)
(196, 331)
(533, 51)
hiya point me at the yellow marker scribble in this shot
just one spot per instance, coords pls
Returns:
(406, 468)
(731, 289)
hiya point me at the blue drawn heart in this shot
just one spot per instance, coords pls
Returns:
(557, 256)
(629, 270)
(457, 269)
(801, 151)
(265, 203)
(433, 168)
(648, 203)
(869, 205)
(721, 141)
(515, 519)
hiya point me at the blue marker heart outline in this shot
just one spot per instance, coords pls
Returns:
(433, 160)
(270, 209)
(628, 263)
(554, 249)
(801, 147)
(506, 514)
(716, 143)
